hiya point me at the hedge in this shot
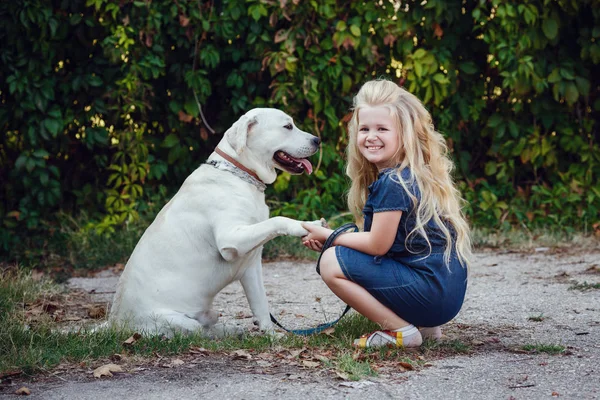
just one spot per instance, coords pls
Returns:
(106, 103)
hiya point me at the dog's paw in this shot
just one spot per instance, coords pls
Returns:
(296, 229)
(207, 318)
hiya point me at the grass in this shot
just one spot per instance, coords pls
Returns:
(552, 349)
(537, 318)
(526, 239)
(584, 286)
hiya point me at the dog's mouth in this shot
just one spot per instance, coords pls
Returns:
(291, 164)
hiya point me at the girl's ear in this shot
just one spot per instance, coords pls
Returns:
(238, 133)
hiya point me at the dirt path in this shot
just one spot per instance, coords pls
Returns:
(543, 297)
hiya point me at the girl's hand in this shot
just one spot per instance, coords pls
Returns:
(313, 244)
(316, 233)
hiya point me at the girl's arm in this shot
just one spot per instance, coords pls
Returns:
(376, 242)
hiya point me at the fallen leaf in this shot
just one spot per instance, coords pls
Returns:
(132, 339)
(199, 350)
(241, 355)
(342, 375)
(175, 363)
(107, 370)
(310, 364)
(23, 391)
(406, 365)
(264, 363)
(329, 331)
(96, 312)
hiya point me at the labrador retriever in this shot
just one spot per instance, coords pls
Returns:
(212, 231)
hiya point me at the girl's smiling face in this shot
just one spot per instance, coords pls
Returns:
(377, 138)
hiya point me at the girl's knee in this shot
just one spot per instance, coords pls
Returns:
(330, 268)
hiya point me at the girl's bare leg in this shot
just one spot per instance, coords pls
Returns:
(356, 296)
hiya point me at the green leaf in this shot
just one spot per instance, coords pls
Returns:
(439, 78)
(490, 168)
(571, 93)
(95, 81)
(550, 28)
(191, 107)
(53, 126)
(554, 76)
(170, 141)
(346, 83)
(340, 26)
(469, 67)
(565, 73)
(494, 121)
(420, 53)
(41, 153)
(355, 30)
(418, 69)
(583, 86)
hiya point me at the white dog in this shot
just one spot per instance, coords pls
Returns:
(212, 231)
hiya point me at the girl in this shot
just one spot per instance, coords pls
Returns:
(408, 267)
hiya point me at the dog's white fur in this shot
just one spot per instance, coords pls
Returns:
(210, 234)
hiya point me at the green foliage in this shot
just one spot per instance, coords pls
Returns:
(105, 102)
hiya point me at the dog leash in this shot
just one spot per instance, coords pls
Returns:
(321, 327)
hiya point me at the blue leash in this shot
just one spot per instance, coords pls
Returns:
(326, 245)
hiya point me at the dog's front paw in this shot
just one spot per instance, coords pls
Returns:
(268, 329)
(296, 229)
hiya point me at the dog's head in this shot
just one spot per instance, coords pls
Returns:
(266, 138)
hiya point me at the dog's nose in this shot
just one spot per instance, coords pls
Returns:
(316, 141)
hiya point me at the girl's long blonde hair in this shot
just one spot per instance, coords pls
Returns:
(424, 151)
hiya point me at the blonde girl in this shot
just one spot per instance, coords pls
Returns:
(408, 268)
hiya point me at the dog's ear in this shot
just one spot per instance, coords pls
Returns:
(238, 133)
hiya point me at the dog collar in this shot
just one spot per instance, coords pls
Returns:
(233, 166)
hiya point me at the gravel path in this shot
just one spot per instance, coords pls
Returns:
(541, 297)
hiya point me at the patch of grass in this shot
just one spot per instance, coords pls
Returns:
(354, 369)
(526, 239)
(537, 318)
(584, 286)
(544, 348)
(447, 346)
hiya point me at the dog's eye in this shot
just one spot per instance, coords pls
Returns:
(288, 126)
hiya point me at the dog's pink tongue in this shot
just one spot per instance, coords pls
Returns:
(306, 165)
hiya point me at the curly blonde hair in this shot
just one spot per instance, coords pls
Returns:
(423, 150)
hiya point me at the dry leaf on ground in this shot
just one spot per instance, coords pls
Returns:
(175, 363)
(132, 339)
(310, 364)
(407, 366)
(107, 370)
(23, 391)
(241, 355)
(96, 311)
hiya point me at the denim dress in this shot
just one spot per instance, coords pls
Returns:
(412, 279)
